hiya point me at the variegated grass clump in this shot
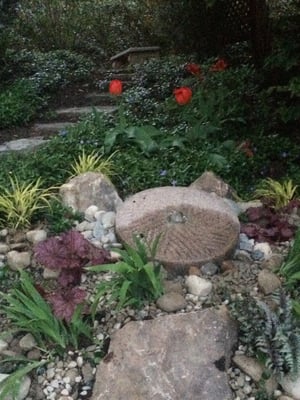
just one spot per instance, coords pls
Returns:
(93, 162)
(276, 193)
(21, 201)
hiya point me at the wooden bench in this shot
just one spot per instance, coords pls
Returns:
(134, 55)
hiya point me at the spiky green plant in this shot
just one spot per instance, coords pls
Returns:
(93, 162)
(137, 276)
(277, 194)
(22, 200)
(290, 269)
(29, 312)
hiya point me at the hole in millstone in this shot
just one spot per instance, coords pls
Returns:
(176, 217)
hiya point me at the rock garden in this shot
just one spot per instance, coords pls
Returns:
(149, 202)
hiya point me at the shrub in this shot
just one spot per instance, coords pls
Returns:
(19, 103)
(51, 70)
(88, 27)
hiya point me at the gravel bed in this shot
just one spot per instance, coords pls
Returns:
(71, 376)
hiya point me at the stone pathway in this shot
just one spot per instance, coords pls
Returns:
(68, 116)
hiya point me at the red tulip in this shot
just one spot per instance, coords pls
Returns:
(219, 65)
(115, 87)
(183, 95)
(193, 69)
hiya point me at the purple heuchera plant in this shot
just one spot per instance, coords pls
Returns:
(64, 302)
(266, 224)
(68, 253)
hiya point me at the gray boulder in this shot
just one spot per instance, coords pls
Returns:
(91, 188)
(173, 357)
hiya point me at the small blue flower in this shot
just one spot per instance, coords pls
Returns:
(173, 182)
(163, 172)
(284, 154)
(63, 132)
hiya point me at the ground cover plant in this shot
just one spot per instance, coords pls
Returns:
(272, 335)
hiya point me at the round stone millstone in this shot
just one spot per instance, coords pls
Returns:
(195, 226)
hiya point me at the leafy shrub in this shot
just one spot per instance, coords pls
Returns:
(82, 27)
(51, 70)
(19, 103)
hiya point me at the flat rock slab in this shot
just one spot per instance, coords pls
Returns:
(195, 226)
(173, 357)
(22, 144)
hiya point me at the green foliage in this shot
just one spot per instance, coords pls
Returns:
(80, 26)
(290, 269)
(59, 217)
(53, 69)
(93, 162)
(274, 336)
(19, 203)
(30, 313)
(19, 103)
(137, 276)
(276, 194)
(10, 386)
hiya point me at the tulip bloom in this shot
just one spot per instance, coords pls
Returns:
(193, 69)
(115, 87)
(219, 65)
(183, 95)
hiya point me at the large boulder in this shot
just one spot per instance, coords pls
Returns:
(177, 356)
(90, 188)
(195, 226)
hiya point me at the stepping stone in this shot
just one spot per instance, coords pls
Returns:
(97, 98)
(51, 127)
(195, 226)
(22, 144)
(79, 111)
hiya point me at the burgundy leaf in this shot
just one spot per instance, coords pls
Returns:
(64, 302)
(286, 233)
(69, 251)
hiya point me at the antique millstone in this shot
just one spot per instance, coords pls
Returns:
(195, 226)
